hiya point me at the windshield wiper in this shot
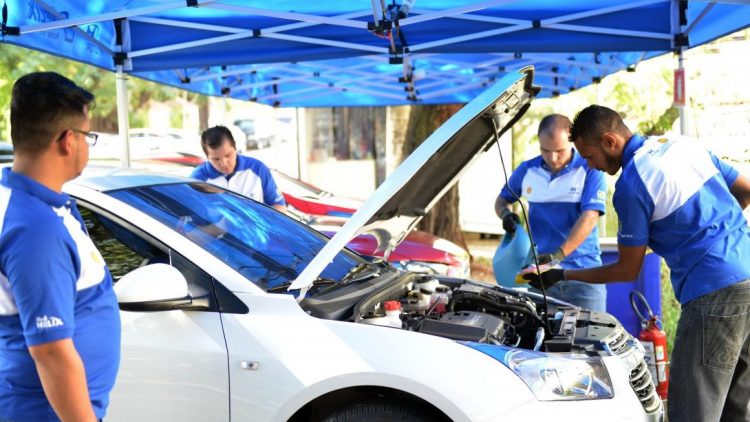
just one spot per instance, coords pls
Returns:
(318, 282)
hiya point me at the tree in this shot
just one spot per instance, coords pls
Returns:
(442, 220)
(17, 61)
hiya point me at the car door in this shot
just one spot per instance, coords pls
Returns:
(173, 363)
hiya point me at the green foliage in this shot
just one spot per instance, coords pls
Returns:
(670, 308)
(16, 62)
(175, 116)
(662, 123)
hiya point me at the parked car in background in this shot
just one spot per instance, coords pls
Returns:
(419, 251)
(232, 310)
(256, 135)
(149, 143)
(310, 199)
(6, 152)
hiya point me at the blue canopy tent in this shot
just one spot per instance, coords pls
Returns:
(296, 53)
(299, 53)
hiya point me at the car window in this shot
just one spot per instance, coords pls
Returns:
(124, 250)
(121, 258)
(267, 247)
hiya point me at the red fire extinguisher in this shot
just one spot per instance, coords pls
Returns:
(654, 340)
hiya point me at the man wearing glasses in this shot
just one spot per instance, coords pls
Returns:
(59, 320)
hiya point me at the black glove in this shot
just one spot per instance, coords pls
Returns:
(549, 278)
(546, 258)
(510, 219)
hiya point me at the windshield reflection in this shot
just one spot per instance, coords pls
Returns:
(265, 246)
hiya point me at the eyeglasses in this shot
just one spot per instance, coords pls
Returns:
(91, 137)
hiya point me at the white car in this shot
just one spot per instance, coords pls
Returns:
(232, 311)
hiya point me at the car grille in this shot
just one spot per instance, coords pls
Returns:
(640, 380)
(619, 344)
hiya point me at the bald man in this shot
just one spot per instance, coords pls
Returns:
(566, 199)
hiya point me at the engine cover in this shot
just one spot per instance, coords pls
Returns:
(466, 325)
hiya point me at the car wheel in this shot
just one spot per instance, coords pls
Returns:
(380, 411)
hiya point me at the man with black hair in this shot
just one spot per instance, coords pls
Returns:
(59, 319)
(686, 204)
(565, 200)
(227, 169)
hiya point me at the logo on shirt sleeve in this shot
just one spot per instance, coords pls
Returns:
(600, 194)
(45, 322)
(620, 233)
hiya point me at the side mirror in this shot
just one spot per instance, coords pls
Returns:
(155, 287)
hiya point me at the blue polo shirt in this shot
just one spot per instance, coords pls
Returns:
(54, 285)
(251, 178)
(673, 195)
(557, 201)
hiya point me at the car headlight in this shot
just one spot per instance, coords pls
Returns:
(422, 267)
(553, 377)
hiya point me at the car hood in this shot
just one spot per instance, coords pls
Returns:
(429, 171)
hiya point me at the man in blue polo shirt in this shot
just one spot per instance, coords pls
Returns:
(238, 173)
(686, 204)
(565, 200)
(59, 320)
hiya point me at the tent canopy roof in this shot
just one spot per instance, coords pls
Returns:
(333, 53)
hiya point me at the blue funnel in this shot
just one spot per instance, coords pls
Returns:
(511, 256)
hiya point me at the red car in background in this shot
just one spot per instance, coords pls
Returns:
(312, 200)
(420, 251)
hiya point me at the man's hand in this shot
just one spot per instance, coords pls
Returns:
(63, 379)
(510, 219)
(552, 258)
(548, 278)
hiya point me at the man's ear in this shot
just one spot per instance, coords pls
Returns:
(65, 144)
(610, 141)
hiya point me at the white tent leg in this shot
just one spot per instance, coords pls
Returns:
(123, 123)
(302, 152)
(684, 108)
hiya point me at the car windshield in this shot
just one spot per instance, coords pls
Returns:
(265, 246)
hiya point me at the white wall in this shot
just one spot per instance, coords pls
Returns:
(480, 185)
(348, 178)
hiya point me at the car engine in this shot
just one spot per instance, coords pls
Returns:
(470, 311)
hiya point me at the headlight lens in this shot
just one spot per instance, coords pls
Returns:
(422, 267)
(553, 377)
(433, 268)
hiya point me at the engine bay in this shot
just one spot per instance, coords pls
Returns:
(465, 310)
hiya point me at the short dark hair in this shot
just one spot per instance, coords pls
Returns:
(593, 121)
(552, 122)
(213, 137)
(44, 105)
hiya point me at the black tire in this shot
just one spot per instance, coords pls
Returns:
(382, 411)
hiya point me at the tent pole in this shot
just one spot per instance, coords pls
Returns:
(683, 108)
(123, 124)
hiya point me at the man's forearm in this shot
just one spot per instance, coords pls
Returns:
(64, 380)
(500, 206)
(626, 268)
(580, 231)
(740, 189)
(604, 274)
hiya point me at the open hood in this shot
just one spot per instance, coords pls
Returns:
(427, 173)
